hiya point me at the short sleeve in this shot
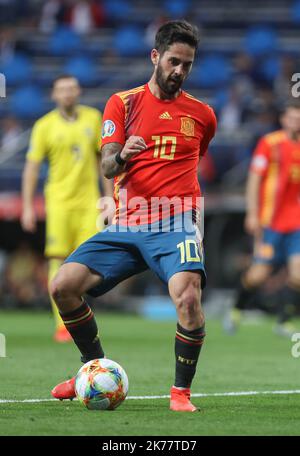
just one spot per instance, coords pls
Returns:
(261, 158)
(113, 127)
(37, 147)
(209, 131)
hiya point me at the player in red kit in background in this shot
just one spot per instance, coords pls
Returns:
(153, 138)
(273, 218)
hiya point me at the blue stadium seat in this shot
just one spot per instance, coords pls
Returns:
(221, 97)
(270, 68)
(27, 103)
(64, 41)
(129, 42)
(4, 111)
(177, 9)
(213, 71)
(117, 10)
(45, 78)
(260, 41)
(295, 12)
(84, 69)
(17, 70)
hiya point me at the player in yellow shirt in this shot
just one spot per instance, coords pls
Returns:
(69, 139)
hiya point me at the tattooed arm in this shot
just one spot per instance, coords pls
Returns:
(110, 167)
(113, 154)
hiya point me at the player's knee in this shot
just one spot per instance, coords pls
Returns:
(294, 279)
(60, 288)
(293, 267)
(256, 276)
(188, 305)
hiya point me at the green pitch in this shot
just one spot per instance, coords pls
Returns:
(253, 360)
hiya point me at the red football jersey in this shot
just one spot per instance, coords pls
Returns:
(177, 133)
(277, 159)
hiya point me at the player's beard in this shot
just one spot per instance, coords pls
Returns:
(295, 135)
(169, 85)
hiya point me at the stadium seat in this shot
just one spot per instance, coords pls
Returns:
(64, 41)
(45, 78)
(27, 103)
(176, 9)
(84, 69)
(221, 97)
(117, 10)
(295, 12)
(17, 70)
(129, 42)
(4, 111)
(213, 71)
(270, 68)
(260, 41)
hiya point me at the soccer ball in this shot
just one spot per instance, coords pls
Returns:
(101, 384)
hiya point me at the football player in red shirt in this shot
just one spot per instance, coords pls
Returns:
(153, 138)
(273, 217)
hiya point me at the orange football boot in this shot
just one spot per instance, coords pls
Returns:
(180, 400)
(64, 390)
(62, 335)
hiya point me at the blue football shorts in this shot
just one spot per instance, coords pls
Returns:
(276, 248)
(118, 252)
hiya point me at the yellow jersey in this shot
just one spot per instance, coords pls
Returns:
(71, 149)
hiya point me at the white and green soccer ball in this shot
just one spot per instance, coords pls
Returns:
(101, 384)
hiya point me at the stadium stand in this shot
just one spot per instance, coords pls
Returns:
(114, 56)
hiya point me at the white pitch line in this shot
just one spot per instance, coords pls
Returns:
(232, 393)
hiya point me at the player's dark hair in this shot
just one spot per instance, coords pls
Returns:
(63, 76)
(292, 103)
(176, 32)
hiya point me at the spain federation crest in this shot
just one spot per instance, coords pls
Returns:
(187, 126)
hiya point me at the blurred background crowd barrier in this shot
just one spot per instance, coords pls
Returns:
(249, 50)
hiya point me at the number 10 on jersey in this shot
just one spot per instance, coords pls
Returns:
(164, 147)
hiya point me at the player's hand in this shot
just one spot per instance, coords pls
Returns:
(133, 146)
(252, 225)
(28, 220)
